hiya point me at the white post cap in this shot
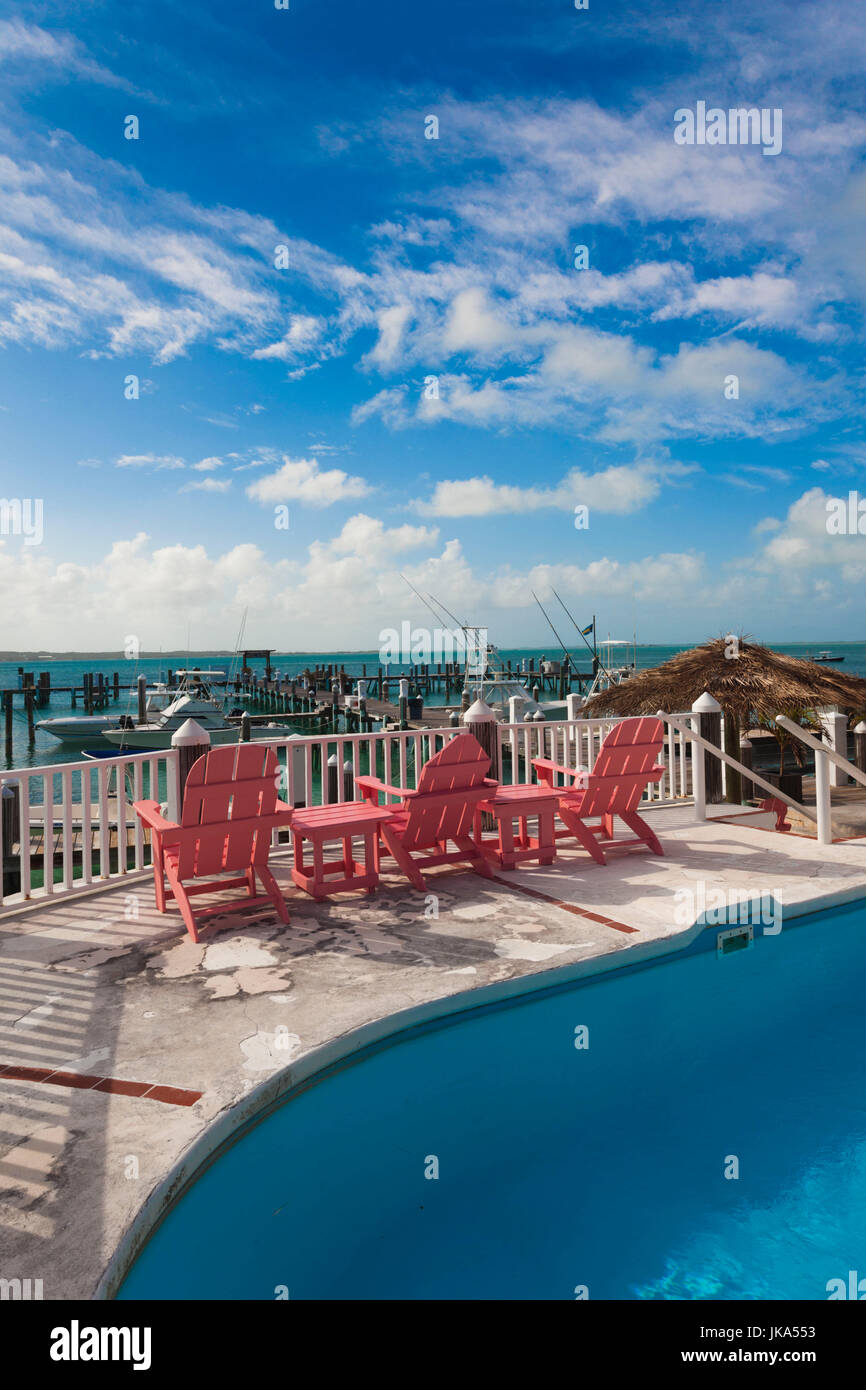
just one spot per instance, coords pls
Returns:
(189, 734)
(860, 728)
(479, 713)
(706, 704)
(404, 688)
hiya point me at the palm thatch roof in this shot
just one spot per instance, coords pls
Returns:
(758, 683)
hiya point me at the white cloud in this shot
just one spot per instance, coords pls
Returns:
(802, 550)
(617, 489)
(21, 42)
(302, 480)
(367, 535)
(304, 332)
(208, 485)
(153, 461)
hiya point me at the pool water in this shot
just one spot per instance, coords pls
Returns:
(562, 1167)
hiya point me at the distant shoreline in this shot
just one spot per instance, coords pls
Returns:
(223, 653)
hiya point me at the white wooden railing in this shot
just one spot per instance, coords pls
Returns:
(575, 743)
(88, 806)
(75, 820)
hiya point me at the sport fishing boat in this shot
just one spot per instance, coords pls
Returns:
(192, 701)
(825, 656)
(613, 665)
(498, 687)
(83, 728)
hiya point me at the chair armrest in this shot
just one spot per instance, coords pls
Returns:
(149, 812)
(547, 769)
(371, 786)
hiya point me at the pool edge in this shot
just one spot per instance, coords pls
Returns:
(236, 1119)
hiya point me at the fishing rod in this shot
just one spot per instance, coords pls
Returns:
(582, 635)
(554, 631)
(464, 626)
(437, 616)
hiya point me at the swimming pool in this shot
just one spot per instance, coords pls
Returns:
(564, 1167)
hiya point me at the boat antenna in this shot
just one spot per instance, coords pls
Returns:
(554, 631)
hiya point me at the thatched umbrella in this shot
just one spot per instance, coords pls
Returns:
(756, 682)
(754, 685)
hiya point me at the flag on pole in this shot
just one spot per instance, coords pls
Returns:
(585, 631)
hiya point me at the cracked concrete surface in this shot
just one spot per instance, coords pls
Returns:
(104, 984)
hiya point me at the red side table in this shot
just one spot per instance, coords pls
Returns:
(342, 821)
(519, 803)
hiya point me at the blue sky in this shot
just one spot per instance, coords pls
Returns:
(303, 386)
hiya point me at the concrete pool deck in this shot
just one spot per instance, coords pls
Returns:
(123, 1043)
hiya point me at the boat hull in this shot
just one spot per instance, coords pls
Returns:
(139, 740)
(80, 730)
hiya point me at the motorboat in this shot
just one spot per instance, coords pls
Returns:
(613, 666)
(84, 728)
(498, 688)
(192, 701)
(826, 656)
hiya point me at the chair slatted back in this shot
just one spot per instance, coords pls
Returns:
(627, 762)
(450, 784)
(228, 793)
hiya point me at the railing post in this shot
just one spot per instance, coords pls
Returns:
(746, 754)
(699, 787)
(709, 726)
(10, 834)
(835, 727)
(191, 742)
(480, 720)
(822, 799)
(573, 700)
(860, 746)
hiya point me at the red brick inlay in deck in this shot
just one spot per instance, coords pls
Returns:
(81, 1081)
(566, 907)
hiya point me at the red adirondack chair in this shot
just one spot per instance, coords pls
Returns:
(440, 810)
(230, 807)
(625, 766)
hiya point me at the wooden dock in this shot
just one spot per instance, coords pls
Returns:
(313, 700)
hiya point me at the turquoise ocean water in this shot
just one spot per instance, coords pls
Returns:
(47, 750)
